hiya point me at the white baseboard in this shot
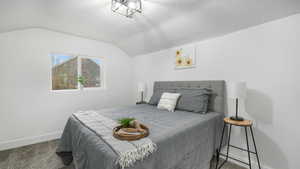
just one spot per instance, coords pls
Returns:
(5, 145)
(238, 156)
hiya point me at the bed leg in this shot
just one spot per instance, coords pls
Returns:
(217, 154)
(217, 158)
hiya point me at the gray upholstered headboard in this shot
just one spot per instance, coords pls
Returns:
(217, 101)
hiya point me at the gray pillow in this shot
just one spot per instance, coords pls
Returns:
(157, 95)
(193, 100)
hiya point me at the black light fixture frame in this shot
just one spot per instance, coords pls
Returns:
(236, 117)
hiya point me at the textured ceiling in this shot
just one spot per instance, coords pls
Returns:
(163, 23)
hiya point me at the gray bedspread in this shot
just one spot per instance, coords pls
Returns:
(184, 140)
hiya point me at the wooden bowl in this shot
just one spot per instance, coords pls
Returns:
(117, 133)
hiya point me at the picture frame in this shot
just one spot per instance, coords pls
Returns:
(185, 57)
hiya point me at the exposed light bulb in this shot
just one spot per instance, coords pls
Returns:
(132, 5)
(117, 5)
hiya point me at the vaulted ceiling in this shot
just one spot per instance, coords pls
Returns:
(163, 23)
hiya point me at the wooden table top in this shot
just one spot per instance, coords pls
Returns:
(238, 123)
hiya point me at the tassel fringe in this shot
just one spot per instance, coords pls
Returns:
(128, 158)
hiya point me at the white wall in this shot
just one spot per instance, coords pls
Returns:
(267, 57)
(29, 111)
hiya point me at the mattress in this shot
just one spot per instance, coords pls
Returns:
(185, 140)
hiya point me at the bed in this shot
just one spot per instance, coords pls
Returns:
(185, 140)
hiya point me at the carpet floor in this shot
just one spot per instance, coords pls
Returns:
(42, 156)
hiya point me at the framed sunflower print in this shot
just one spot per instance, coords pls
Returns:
(185, 57)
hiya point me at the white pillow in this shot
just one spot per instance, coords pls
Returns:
(168, 101)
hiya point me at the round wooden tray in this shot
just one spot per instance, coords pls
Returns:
(130, 137)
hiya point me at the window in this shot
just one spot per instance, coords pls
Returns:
(90, 71)
(74, 72)
(64, 72)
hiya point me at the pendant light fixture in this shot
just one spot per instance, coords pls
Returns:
(126, 7)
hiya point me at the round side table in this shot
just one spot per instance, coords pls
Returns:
(245, 124)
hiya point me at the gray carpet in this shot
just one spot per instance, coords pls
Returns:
(42, 156)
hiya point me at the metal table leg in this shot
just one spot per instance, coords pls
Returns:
(255, 147)
(249, 158)
(228, 144)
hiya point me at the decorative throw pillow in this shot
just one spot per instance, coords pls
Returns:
(193, 100)
(168, 101)
(157, 95)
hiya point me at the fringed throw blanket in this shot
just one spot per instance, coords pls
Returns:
(128, 152)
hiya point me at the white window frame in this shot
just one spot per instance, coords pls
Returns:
(79, 57)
